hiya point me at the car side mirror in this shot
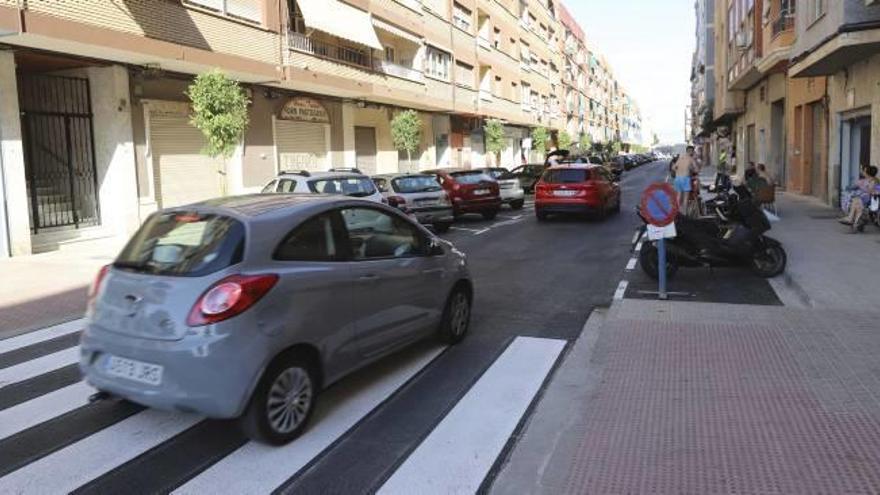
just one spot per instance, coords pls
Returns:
(435, 248)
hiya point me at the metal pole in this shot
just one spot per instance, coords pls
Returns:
(661, 267)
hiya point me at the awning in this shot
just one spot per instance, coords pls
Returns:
(396, 31)
(340, 20)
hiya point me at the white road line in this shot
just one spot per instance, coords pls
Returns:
(631, 265)
(43, 408)
(621, 290)
(83, 461)
(38, 366)
(37, 336)
(465, 229)
(481, 232)
(460, 451)
(258, 468)
(639, 246)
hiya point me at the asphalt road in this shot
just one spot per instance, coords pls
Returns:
(426, 408)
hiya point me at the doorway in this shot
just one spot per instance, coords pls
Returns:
(777, 141)
(855, 148)
(365, 149)
(817, 146)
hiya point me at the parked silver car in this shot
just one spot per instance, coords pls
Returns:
(248, 306)
(348, 182)
(418, 195)
(509, 186)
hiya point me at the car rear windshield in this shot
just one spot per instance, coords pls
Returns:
(357, 187)
(566, 176)
(185, 244)
(500, 173)
(470, 177)
(416, 184)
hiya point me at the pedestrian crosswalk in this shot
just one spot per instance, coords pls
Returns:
(52, 440)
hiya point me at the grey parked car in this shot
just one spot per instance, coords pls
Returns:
(418, 195)
(248, 306)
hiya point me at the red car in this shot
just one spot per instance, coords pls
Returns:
(471, 191)
(578, 189)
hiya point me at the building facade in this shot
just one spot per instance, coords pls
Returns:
(94, 119)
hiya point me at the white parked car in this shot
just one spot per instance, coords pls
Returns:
(509, 186)
(347, 183)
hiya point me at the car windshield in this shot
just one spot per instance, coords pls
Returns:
(470, 177)
(185, 244)
(566, 176)
(499, 173)
(416, 184)
(357, 187)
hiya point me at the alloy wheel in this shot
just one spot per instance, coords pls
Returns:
(460, 314)
(289, 399)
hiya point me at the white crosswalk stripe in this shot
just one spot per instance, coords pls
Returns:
(35, 337)
(36, 367)
(456, 455)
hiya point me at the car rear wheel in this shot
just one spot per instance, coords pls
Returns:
(456, 317)
(282, 404)
(442, 227)
(518, 204)
(490, 214)
(541, 215)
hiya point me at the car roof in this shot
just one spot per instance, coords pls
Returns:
(320, 175)
(576, 166)
(254, 205)
(397, 175)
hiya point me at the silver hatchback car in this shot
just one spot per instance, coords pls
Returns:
(248, 306)
(419, 195)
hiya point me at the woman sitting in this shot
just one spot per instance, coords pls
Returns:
(860, 195)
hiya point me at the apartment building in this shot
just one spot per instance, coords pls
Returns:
(703, 79)
(94, 120)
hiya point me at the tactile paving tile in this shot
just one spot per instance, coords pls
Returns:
(732, 408)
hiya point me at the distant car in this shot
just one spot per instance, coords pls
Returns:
(353, 184)
(576, 189)
(471, 191)
(418, 195)
(528, 175)
(248, 306)
(630, 162)
(511, 190)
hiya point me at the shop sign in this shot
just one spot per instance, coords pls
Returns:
(304, 109)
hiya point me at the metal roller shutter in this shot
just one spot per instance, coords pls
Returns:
(301, 146)
(181, 173)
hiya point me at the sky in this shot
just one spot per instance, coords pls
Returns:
(650, 45)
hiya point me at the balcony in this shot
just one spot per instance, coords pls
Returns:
(414, 5)
(485, 95)
(397, 70)
(785, 22)
(351, 56)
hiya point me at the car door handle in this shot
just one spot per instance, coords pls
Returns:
(368, 278)
(430, 271)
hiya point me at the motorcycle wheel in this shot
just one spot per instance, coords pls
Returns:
(649, 261)
(769, 261)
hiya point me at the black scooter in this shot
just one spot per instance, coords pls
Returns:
(735, 237)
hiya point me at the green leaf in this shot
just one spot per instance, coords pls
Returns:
(219, 110)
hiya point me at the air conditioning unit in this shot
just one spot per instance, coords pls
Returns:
(743, 39)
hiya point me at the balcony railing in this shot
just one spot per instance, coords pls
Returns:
(397, 70)
(323, 49)
(785, 22)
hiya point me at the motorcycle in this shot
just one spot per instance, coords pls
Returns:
(734, 237)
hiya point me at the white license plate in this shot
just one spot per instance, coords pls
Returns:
(138, 371)
(564, 193)
(429, 202)
(481, 192)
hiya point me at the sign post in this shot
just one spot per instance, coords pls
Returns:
(660, 208)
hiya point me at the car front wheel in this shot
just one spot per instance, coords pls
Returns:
(541, 215)
(518, 204)
(283, 402)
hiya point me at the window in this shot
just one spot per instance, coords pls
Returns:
(270, 187)
(357, 187)
(462, 17)
(313, 240)
(496, 40)
(248, 10)
(815, 10)
(438, 63)
(464, 74)
(286, 185)
(566, 176)
(374, 234)
(389, 54)
(416, 184)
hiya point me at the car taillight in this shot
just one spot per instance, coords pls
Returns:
(95, 288)
(230, 297)
(397, 201)
(541, 189)
(456, 186)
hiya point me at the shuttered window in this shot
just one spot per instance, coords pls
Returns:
(249, 10)
(301, 146)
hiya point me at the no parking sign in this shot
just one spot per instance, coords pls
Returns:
(659, 205)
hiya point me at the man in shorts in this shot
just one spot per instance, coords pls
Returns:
(684, 167)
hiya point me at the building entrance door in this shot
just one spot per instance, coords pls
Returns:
(856, 149)
(777, 141)
(365, 149)
(59, 151)
(817, 145)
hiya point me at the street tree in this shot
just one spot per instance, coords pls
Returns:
(563, 140)
(406, 132)
(539, 139)
(493, 131)
(219, 110)
(584, 142)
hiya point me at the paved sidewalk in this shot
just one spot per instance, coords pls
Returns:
(44, 289)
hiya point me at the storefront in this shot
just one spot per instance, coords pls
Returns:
(302, 135)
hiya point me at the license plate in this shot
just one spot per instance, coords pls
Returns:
(428, 202)
(138, 371)
(481, 192)
(564, 193)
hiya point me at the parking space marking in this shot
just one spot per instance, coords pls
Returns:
(631, 265)
(638, 247)
(459, 452)
(621, 290)
(465, 229)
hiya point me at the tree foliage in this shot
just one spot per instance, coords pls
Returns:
(563, 140)
(219, 110)
(539, 139)
(584, 142)
(406, 132)
(493, 131)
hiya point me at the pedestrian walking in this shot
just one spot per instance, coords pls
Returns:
(684, 167)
